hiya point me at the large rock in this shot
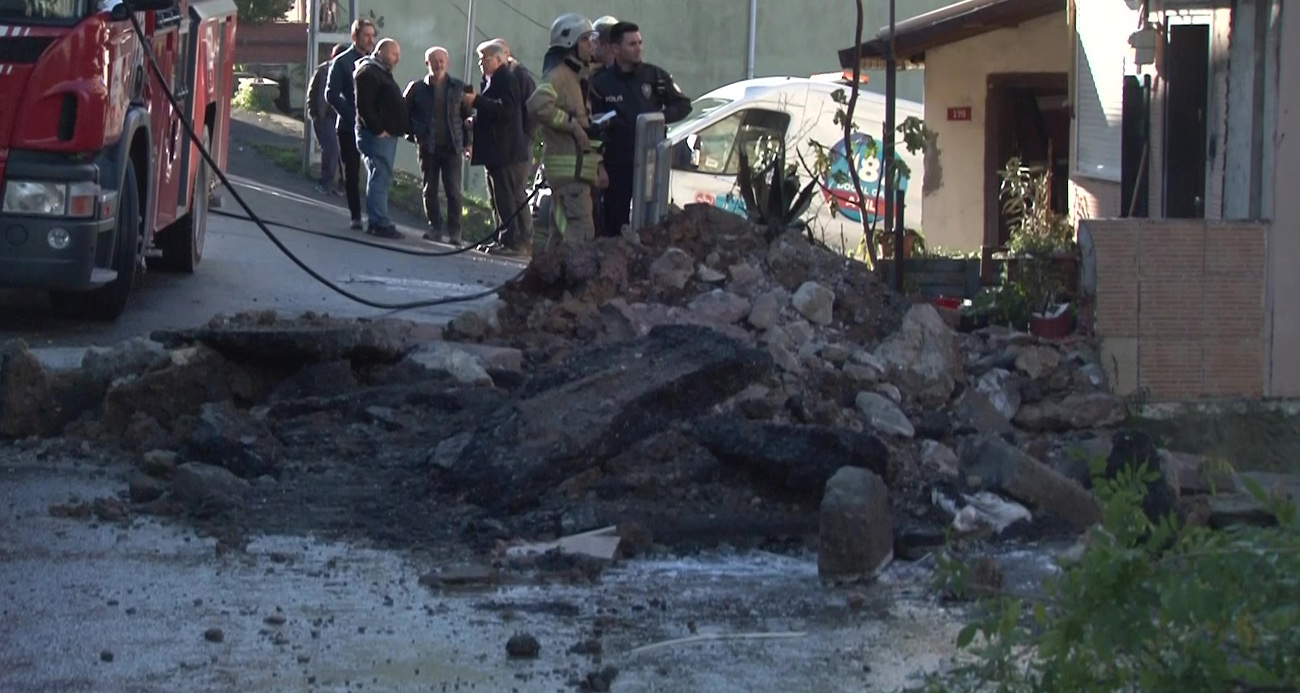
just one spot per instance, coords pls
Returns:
(883, 415)
(132, 357)
(1038, 361)
(207, 490)
(1001, 467)
(460, 364)
(721, 307)
(1074, 412)
(1194, 474)
(815, 302)
(765, 311)
(223, 436)
(922, 357)
(791, 460)
(36, 401)
(1002, 391)
(856, 533)
(673, 269)
(597, 404)
(291, 343)
(194, 376)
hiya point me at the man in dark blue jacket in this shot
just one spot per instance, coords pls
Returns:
(438, 114)
(629, 87)
(499, 143)
(340, 92)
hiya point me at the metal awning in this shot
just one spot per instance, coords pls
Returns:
(956, 22)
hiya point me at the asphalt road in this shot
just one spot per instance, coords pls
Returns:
(243, 270)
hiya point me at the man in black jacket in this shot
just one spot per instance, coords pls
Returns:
(629, 88)
(525, 85)
(382, 121)
(340, 94)
(438, 114)
(499, 143)
(324, 120)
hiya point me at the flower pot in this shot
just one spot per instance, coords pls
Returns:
(1053, 327)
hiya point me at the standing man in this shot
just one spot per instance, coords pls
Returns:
(341, 94)
(324, 120)
(569, 153)
(438, 126)
(629, 88)
(525, 85)
(382, 121)
(499, 143)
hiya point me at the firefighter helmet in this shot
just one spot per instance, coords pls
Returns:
(567, 29)
(603, 25)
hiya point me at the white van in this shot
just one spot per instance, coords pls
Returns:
(748, 115)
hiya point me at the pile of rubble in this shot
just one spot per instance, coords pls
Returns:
(692, 383)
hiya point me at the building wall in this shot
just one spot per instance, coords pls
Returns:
(956, 75)
(703, 45)
(1178, 305)
(1284, 238)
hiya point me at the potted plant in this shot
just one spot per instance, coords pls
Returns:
(913, 244)
(1041, 245)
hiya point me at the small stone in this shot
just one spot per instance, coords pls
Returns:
(144, 488)
(709, 275)
(784, 358)
(1038, 362)
(105, 656)
(523, 645)
(673, 269)
(800, 332)
(836, 353)
(471, 325)
(856, 538)
(721, 307)
(935, 425)
(884, 415)
(863, 375)
(745, 276)
(274, 620)
(214, 635)
(891, 391)
(160, 463)
(940, 458)
(815, 302)
(765, 310)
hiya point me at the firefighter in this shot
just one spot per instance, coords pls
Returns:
(570, 147)
(629, 88)
(603, 55)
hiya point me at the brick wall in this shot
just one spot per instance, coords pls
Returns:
(1178, 305)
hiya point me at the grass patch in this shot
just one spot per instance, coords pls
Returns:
(249, 98)
(405, 193)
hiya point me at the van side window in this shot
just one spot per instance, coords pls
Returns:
(756, 132)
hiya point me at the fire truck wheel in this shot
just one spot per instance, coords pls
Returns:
(182, 243)
(107, 302)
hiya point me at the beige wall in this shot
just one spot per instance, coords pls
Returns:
(1178, 305)
(703, 45)
(1284, 240)
(957, 75)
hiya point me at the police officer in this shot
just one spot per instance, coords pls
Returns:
(559, 106)
(629, 88)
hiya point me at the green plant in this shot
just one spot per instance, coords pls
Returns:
(262, 11)
(772, 195)
(1150, 606)
(1039, 234)
(249, 98)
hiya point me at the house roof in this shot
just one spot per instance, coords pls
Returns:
(956, 22)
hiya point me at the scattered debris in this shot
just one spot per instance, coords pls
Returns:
(523, 646)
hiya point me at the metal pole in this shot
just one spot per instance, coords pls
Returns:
(469, 70)
(313, 38)
(891, 98)
(753, 38)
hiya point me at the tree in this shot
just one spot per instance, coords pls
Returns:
(253, 12)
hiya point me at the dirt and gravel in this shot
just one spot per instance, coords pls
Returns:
(697, 385)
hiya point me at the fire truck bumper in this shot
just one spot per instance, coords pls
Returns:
(54, 253)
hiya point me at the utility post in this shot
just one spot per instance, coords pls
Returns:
(891, 99)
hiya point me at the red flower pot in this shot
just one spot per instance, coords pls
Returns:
(1058, 327)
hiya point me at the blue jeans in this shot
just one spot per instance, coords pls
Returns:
(329, 151)
(378, 154)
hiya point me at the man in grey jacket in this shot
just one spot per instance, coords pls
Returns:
(438, 127)
(340, 92)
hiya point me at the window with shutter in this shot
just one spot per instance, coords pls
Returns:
(1101, 56)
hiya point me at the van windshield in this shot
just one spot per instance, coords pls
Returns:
(42, 11)
(700, 108)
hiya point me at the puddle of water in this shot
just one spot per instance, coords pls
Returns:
(415, 286)
(356, 618)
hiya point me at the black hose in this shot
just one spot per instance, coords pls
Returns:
(252, 216)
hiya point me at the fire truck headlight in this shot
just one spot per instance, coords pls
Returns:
(83, 199)
(36, 197)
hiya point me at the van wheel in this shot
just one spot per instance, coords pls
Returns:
(109, 301)
(182, 244)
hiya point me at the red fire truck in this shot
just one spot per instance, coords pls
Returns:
(96, 168)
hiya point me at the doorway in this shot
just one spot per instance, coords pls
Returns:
(1028, 116)
(1187, 78)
